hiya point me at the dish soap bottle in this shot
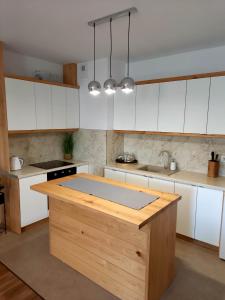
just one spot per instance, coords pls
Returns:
(173, 165)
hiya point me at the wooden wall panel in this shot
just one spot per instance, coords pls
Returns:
(4, 144)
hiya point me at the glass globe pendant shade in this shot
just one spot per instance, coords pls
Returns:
(127, 85)
(110, 86)
(94, 88)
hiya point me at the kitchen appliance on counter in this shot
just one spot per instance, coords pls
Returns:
(222, 241)
(63, 170)
(16, 163)
(126, 158)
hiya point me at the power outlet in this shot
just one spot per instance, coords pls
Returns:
(222, 158)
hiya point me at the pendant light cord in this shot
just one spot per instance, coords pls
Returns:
(128, 48)
(94, 51)
(110, 60)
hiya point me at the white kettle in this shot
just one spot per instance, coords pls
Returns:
(16, 163)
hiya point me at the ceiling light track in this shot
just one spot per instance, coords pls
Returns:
(106, 19)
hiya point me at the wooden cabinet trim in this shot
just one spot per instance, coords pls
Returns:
(33, 79)
(194, 135)
(16, 132)
(178, 78)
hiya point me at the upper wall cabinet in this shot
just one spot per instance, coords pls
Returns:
(172, 106)
(197, 101)
(147, 102)
(216, 119)
(36, 106)
(124, 110)
(72, 108)
(58, 107)
(42, 94)
(20, 105)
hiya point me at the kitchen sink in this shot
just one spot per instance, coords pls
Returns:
(156, 169)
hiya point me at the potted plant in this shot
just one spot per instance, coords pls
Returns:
(68, 145)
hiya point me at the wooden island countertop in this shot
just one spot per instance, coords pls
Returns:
(130, 253)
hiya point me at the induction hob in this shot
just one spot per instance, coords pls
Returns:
(52, 164)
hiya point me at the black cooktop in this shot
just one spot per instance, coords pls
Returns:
(52, 164)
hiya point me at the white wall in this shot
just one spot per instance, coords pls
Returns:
(24, 65)
(201, 61)
(96, 112)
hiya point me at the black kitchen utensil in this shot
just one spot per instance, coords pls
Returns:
(217, 157)
(212, 155)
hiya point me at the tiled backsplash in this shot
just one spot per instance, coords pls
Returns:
(99, 147)
(190, 153)
(37, 148)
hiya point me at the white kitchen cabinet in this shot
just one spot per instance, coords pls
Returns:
(216, 120)
(137, 180)
(124, 110)
(58, 107)
(208, 215)
(33, 205)
(161, 185)
(115, 175)
(147, 104)
(171, 106)
(197, 102)
(20, 104)
(83, 169)
(186, 209)
(72, 108)
(42, 93)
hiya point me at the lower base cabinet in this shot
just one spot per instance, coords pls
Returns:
(33, 205)
(199, 213)
(186, 209)
(161, 185)
(115, 175)
(137, 180)
(83, 169)
(209, 215)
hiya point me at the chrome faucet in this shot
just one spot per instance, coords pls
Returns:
(165, 156)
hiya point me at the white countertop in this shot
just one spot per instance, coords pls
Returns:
(28, 171)
(194, 178)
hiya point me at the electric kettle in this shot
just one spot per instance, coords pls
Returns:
(16, 163)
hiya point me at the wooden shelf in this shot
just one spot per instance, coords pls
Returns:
(33, 79)
(194, 135)
(178, 78)
(17, 132)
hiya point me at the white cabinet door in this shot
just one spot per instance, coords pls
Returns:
(43, 103)
(208, 215)
(83, 169)
(197, 102)
(171, 106)
(72, 108)
(33, 205)
(161, 185)
(216, 120)
(20, 104)
(222, 241)
(186, 209)
(147, 104)
(137, 180)
(115, 175)
(58, 107)
(124, 111)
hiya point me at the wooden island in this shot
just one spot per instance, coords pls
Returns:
(128, 252)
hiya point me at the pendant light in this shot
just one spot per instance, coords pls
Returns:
(94, 86)
(110, 84)
(127, 84)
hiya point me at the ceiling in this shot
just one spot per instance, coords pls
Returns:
(57, 30)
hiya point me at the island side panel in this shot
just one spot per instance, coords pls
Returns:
(112, 253)
(162, 252)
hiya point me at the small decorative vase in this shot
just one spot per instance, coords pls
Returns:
(68, 156)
